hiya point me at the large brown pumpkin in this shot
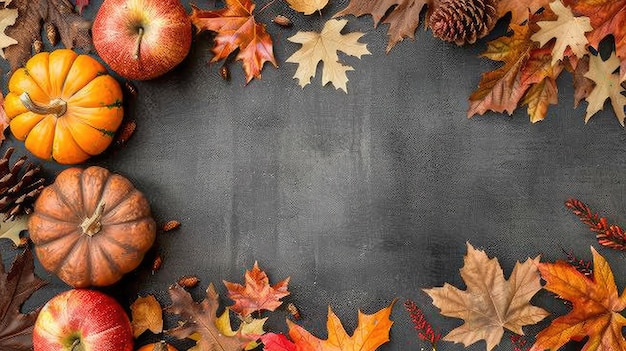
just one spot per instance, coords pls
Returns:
(91, 226)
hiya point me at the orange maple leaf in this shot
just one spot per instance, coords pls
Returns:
(596, 307)
(607, 17)
(257, 294)
(372, 331)
(237, 28)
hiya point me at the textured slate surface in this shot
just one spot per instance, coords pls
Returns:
(363, 197)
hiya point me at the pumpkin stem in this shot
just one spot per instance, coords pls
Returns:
(138, 43)
(56, 107)
(92, 225)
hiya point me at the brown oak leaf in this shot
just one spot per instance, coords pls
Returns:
(371, 332)
(490, 303)
(403, 16)
(596, 307)
(147, 314)
(237, 28)
(201, 318)
(16, 286)
(73, 29)
(256, 294)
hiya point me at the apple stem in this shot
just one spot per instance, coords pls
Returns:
(75, 345)
(138, 44)
(92, 225)
(56, 107)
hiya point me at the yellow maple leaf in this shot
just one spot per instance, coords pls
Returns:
(7, 18)
(307, 6)
(607, 87)
(323, 47)
(568, 30)
(490, 303)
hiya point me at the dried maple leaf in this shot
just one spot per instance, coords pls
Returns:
(257, 294)
(607, 87)
(501, 90)
(403, 16)
(595, 311)
(147, 314)
(201, 318)
(15, 287)
(237, 28)
(12, 229)
(371, 332)
(323, 47)
(490, 303)
(568, 30)
(607, 17)
(7, 18)
(252, 328)
(540, 74)
(520, 9)
(307, 6)
(72, 28)
(582, 85)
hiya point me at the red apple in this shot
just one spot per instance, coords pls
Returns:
(142, 39)
(82, 320)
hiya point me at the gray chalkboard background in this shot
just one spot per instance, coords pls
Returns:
(360, 198)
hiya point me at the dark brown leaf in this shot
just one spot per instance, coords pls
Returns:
(200, 318)
(73, 29)
(16, 286)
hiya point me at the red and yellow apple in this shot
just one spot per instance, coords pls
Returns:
(82, 320)
(142, 39)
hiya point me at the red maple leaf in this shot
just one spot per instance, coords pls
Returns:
(257, 294)
(237, 28)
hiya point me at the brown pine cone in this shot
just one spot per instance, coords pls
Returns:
(463, 21)
(17, 193)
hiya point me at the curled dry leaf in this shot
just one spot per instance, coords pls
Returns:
(256, 294)
(188, 281)
(170, 225)
(251, 328)
(147, 314)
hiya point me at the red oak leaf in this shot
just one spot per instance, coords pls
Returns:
(237, 28)
(257, 294)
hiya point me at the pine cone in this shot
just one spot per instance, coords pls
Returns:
(463, 21)
(17, 194)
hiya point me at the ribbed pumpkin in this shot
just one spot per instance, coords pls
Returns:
(64, 106)
(91, 226)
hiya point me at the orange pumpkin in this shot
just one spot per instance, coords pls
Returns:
(158, 346)
(90, 227)
(64, 106)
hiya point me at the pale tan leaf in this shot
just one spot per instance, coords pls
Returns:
(254, 327)
(491, 303)
(323, 47)
(568, 30)
(12, 229)
(607, 87)
(307, 6)
(7, 18)
(147, 314)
